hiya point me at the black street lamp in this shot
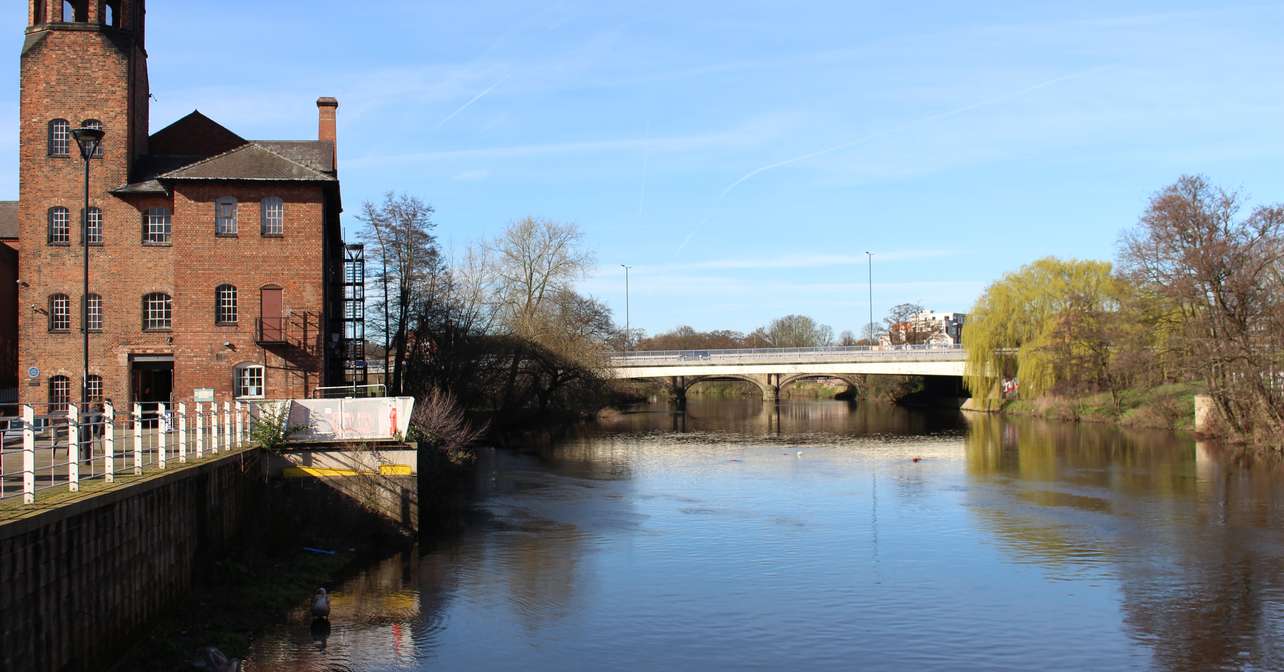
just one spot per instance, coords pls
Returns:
(89, 139)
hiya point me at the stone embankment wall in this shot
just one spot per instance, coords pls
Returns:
(79, 582)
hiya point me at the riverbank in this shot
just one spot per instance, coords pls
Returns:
(1167, 407)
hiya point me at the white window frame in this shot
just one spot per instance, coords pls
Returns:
(59, 226)
(158, 312)
(94, 123)
(94, 312)
(253, 373)
(59, 402)
(94, 388)
(59, 137)
(94, 226)
(157, 223)
(225, 305)
(273, 216)
(60, 313)
(225, 223)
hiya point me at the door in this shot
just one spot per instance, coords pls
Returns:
(152, 384)
(272, 324)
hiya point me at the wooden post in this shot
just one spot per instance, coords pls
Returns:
(138, 439)
(182, 432)
(200, 431)
(73, 448)
(28, 454)
(109, 442)
(160, 436)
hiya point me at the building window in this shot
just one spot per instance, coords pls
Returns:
(225, 304)
(273, 216)
(156, 226)
(249, 381)
(59, 137)
(59, 226)
(158, 310)
(59, 312)
(94, 227)
(94, 389)
(59, 394)
(111, 13)
(94, 123)
(94, 313)
(225, 216)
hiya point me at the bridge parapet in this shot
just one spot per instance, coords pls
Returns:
(855, 353)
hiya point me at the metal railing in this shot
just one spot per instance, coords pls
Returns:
(349, 391)
(826, 352)
(103, 442)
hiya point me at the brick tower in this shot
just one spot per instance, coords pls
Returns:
(82, 62)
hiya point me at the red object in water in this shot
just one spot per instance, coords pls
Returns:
(916, 459)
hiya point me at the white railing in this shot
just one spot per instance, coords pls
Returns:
(104, 441)
(637, 357)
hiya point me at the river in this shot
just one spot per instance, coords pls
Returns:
(828, 536)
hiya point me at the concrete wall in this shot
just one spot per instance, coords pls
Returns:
(79, 582)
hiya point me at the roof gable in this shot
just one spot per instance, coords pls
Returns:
(193, 135)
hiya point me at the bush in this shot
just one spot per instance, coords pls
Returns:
(439, 421)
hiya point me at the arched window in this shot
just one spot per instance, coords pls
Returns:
(59, 312)
(39, 10)
(225, 216)
(248, 380)
(94, 312)
(94, 388)
(156, 226)
(94, 123)
(111, 13)
(75, 10)
(59, 226)
(158, 312)
(225, 311)
(94, 227)
(273, 216)
(59, 394)
(59, 137)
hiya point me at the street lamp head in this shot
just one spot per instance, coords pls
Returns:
(88, 138)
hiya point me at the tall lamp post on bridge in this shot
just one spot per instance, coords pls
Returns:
(870, 257)
(628, 332)
(88, 139)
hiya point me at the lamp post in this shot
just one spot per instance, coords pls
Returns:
(628, 333)
(870, 257)
(88, 139)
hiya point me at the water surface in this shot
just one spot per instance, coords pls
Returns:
(827, 536)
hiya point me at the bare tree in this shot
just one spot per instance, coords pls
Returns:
(797, 331)
(401, 228)
(907, 326)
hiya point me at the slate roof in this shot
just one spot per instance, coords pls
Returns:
(8, 219)
(198, 148)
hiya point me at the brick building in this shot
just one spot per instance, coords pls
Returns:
(8, 301)
(215, 261)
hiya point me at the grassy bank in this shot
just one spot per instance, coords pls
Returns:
(1168, 407)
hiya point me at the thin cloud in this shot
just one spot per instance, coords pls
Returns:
(472, 100)
(902, 127)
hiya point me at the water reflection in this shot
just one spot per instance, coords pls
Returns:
(821, 535)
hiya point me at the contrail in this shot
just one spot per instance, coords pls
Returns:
(934, 117)
(472, 100)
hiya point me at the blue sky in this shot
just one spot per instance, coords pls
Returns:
(743, 156)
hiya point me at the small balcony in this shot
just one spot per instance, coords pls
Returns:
(300, 330)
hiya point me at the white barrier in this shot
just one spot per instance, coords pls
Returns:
(368, 419)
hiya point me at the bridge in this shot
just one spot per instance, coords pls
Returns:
(771, 369)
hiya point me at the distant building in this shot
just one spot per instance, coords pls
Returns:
(926, 328)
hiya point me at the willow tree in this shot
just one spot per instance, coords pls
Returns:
(1050, 324)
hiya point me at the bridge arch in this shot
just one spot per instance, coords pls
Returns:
(786, 381)
(758, 381)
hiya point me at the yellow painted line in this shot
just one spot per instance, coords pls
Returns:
(320, 472)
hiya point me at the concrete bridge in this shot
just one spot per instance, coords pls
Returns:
(771, 369)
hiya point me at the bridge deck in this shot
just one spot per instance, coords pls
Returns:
(901, 360)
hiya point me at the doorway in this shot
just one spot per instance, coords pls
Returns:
(272, 323)
(151, 382)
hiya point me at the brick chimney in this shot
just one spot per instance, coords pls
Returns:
(327, 109)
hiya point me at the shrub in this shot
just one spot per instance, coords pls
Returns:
(439, 421)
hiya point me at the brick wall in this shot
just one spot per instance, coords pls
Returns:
(79, 582)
